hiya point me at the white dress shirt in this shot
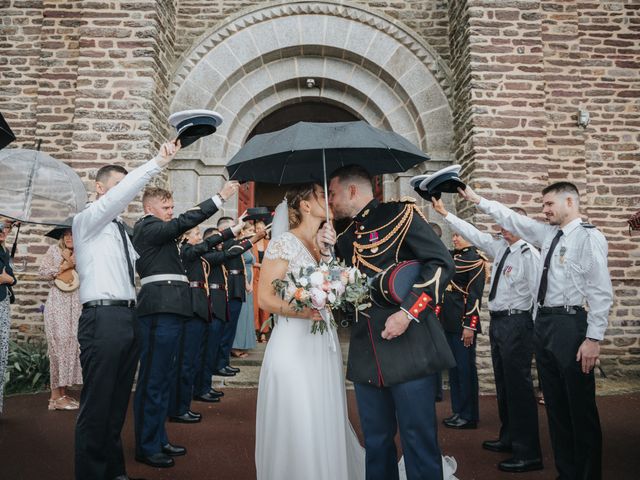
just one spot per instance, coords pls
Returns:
(578, 273)
(517, 286)
(100, 257)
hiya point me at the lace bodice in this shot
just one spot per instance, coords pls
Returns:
(288, 247)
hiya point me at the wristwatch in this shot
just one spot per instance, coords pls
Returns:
(593, 340)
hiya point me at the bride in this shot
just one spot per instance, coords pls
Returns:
(302, 427)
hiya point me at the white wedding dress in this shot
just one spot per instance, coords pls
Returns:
(302, 427)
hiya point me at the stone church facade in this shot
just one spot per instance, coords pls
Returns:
(495, 85)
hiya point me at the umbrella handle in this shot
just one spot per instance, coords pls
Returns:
(326, 196)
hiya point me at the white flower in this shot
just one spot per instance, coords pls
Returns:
(352, 274)
(291, 290)
(331, 297)
(303, 281)
(316, 278)
(338, 287)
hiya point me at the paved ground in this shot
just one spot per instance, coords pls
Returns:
(38, 444)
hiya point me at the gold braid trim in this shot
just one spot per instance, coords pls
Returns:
(206, 268)
(402, 223)
(435, 279)
(476, 309)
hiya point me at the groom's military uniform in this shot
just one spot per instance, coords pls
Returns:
(390, 375)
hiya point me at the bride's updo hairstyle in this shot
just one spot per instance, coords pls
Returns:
(294, 196)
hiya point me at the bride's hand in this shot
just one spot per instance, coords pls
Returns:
(312, 314)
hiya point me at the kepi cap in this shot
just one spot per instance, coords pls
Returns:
(194, 124)
(445, 180)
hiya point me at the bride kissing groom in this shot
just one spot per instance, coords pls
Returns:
(302, 428)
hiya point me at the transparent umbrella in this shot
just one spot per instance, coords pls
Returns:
(37, 188)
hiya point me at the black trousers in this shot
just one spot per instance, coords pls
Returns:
(511, 339)
(463, 379)
(569, 395)
(108, 356)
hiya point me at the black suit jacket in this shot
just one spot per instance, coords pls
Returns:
(401, 233)
(155, 242)
(463, 296)
(195, 265)
(5, 263)
(236, 288)
(217, 260)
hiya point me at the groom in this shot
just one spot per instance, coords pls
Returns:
(391, 359)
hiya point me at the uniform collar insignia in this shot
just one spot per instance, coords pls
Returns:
(366, 210)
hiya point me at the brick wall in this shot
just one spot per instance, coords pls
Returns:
(531, 65)
(90, 80)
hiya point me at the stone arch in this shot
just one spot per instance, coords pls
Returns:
(259, 60)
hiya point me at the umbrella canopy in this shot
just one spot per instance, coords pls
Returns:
(295, 154)
(36, 188)
(6, 135)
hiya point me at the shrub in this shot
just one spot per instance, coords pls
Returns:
(27, 368)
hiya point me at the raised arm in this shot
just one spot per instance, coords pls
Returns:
(100, 213)
(531, 230)
(482, 240)
(191, 252)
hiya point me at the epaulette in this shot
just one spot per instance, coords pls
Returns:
(525, 248)
(482, 255)
(407, 199)
(587, 225)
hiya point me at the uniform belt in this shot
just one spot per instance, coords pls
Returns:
(235, 272)
(164, 277)
(109, 303)
(567, 310)
(508, 312)
(197, 285)
(216, 286)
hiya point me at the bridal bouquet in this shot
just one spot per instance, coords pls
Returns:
(326, 286)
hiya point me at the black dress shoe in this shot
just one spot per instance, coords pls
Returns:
(184, 418)
(225, 372)
(173, 450)
(207, 397)
(194, 414)
(216, 393)
(451, 418)
(157, 460)
(496, 446)
(461, 424)
(516, 465)
(232, 369)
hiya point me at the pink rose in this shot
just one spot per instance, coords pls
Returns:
(318, 298)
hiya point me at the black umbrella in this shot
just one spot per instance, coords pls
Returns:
(6, 135)
(59, 230)
(306, 151)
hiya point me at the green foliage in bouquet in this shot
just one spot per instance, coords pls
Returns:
(27, 368)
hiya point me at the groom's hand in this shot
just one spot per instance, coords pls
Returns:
(395, 325)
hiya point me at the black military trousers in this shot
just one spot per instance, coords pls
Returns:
(511, 338)
(108, 356)
(569, 395)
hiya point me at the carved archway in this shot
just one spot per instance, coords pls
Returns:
(260, 60)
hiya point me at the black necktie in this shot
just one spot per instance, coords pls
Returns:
(123, 234)
(494, 284)
(542, 291)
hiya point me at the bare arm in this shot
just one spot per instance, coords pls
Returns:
(269, 301)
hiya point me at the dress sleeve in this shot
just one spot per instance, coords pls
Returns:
(50, 263)
(281, 248)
